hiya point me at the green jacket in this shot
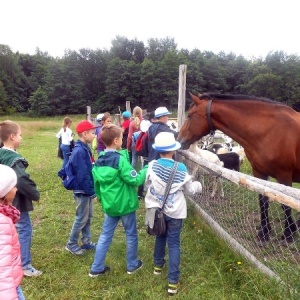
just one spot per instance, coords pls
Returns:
(115, 182)
(27, 189)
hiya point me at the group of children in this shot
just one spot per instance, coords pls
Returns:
(113, 181)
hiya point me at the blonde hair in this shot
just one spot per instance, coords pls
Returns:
(137, 112)
(7, 128)
(137, 115)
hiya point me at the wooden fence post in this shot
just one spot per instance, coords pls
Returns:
(88, 113)
(181, 95)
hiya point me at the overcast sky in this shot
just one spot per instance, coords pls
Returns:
(251, 28)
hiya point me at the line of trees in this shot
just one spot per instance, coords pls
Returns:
(147, 76)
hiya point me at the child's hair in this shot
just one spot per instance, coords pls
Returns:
(106, 115)
(110, 132)
(137, 114)
(67, 121)
(7, 128)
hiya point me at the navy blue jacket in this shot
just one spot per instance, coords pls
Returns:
(153, 130)
(82, 165)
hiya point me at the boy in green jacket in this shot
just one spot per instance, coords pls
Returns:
(115, 183)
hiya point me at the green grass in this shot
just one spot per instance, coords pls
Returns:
(209, 269)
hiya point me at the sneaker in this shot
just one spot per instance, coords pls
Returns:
(88, 246)
(172, 288)
(139, 266)
(31, 271)
(75, 250)
(96, 274)
(157, 270)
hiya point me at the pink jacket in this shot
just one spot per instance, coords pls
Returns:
(11, 273)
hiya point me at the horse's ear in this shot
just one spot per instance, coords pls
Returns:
(195, 99)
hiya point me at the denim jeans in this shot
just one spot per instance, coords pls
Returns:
(105, 239)
(24, 229)
(66, 153)
(172, 237)
(20, 293)
(134, 156)
(82, 223)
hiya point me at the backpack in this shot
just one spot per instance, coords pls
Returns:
(68, 177)
(141, 144)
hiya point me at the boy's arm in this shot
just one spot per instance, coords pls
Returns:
(130, 175)
(25, 185)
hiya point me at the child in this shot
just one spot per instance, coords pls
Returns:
(175, 207)
(115, 185)
(125, 125)
(10, 134)
(82, 164)
(66, 136)
(106, 119)
(161, 116)
(11, 273)
(133, 127)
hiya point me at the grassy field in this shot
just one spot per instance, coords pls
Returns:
(209, 269)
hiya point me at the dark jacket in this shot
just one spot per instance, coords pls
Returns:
(82, 164)
(27, 189)
(153, 130)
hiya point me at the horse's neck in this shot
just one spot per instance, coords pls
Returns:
(238, 122)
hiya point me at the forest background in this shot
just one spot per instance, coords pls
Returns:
(145, 75)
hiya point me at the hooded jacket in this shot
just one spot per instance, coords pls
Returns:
(27, 189)
(11, 272)
(156, 181)
(115, 183)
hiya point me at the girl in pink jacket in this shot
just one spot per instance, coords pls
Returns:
(11, 273)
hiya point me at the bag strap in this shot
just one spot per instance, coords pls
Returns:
(169, 183)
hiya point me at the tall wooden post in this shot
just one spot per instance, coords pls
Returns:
(181, 95)
(88, 113)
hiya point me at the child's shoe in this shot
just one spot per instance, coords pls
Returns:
(139, 266)
(88, 246)
(96, 274)
(75, 250)
(31, 271)
(157, 270)
(172, 288)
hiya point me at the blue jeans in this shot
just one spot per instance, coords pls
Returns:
(105, 239)
(134, 156)
(24, 229)
(20, 293)
(172, 237)
(82, 224)
(66, 153)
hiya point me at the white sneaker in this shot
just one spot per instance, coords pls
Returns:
(31, 271)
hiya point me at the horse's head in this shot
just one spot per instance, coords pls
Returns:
(196, 124)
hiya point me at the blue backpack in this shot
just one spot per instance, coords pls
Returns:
(68, 176)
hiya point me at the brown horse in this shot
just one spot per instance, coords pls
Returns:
(269, 132)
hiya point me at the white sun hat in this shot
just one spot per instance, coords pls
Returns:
(8, 180)
(161, 111)
(165, 141)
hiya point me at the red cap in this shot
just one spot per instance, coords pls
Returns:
(84, 126)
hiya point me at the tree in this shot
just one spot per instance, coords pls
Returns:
(39, 103)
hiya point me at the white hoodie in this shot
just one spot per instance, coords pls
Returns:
(175, 206)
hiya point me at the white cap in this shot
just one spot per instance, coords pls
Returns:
(8, 180)
(99, 117)
(161, 111)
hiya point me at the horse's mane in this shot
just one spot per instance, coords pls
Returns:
(213, 96)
